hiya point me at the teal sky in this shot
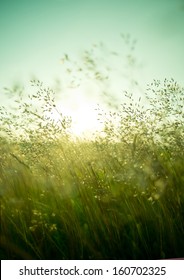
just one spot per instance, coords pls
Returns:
(35, 35)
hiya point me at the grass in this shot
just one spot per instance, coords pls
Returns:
(90, 200)
(119, 195)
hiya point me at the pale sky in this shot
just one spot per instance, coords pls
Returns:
(34, 36)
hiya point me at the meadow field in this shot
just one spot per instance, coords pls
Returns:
(118, 195)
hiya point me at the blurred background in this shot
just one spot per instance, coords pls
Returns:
(132, 43)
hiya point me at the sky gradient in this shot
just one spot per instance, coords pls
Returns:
(35, 35)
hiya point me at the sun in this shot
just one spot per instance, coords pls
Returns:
(80, 104)
(85, 122)
(84, 118)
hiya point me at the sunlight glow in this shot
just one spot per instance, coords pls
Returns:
(85, 122)
(84, 119)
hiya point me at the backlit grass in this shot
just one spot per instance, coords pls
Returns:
(119, 195)
(91, 200)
